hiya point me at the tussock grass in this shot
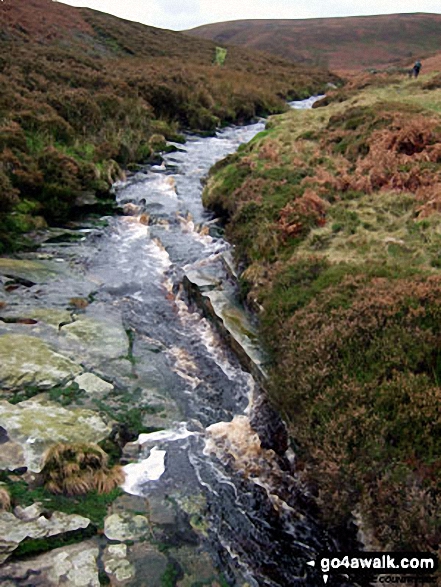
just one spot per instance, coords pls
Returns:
(5, 499)
(77, 469)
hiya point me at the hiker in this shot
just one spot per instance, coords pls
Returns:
(416, 68)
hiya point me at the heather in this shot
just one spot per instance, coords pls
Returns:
(335, 216)
(83, 95)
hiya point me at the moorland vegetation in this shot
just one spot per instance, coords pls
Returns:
(84, 94)
(335, 217)
(341, 44)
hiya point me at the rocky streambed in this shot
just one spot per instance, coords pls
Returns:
(127, 333)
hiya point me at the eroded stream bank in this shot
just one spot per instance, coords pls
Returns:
(99, 341)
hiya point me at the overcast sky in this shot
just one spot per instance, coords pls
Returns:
(184, 14)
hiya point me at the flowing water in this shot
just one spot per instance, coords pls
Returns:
(239, 502)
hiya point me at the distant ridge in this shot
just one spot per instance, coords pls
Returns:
(344, 43)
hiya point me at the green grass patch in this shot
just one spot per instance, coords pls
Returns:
(92, 505)
(34, 546)
(64, 395)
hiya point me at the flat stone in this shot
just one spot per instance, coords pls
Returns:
(70, 566)
(11, 456)
(28, 514)
(126, 526)
(93, 384)
(105, 338)
(30, 270)
(117, 550)
(161, 511)
(133, 503)
(37, 423)
(27, 360)
(14, 530)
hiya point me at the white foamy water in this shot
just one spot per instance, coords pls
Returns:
(305, 104)
(166, 435)
(254, 515)
(153, 467)
(150, 469)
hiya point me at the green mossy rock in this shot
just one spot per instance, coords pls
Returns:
(126, 526)
(30, 270)
(28, 361)
(38, 423)
(93, 384)
(99, 336)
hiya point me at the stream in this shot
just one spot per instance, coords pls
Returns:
(223, 507)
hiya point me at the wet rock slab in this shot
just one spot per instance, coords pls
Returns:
(216, 298)
(99, 336)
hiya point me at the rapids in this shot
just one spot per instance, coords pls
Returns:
(260, 528)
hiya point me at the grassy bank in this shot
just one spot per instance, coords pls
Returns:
(335, 215)
(84, 94)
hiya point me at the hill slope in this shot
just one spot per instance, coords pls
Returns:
(83, 94)
(335, 214)
(352, 43)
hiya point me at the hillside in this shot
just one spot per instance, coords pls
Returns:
(83, 94)
(340, 44)
(335, 215)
